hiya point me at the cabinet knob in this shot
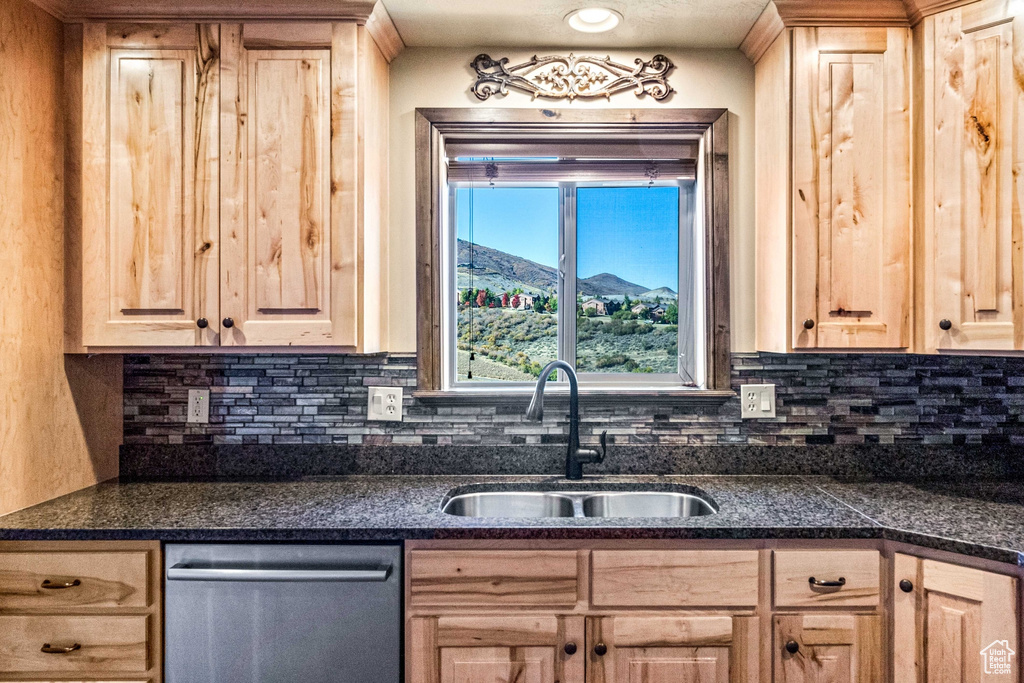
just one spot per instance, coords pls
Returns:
(792, 647)
(202, 323)
(228, 322)
(60, 585)
(808, 324)
(906, 586)
(945, 325)
(570, 649)
(600, 649)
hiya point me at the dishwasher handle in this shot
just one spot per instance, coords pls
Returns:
(186, 572)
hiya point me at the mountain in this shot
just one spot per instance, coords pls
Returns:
(607, 284)
(660, 292)
(501, 272)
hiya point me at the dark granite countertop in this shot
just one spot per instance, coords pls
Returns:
(981, 518)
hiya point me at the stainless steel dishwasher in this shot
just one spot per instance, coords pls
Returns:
(283, 614)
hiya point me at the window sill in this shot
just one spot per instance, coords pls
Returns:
(587, 397)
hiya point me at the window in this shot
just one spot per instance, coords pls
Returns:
(604, 247)
(622, 251)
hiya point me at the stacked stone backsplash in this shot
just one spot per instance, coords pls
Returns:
(821, 399)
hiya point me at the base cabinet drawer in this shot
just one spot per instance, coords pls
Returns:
(829, 578)
(59, 580)
(674, 578)
(93, 644)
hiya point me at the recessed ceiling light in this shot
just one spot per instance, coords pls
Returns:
(593, 19)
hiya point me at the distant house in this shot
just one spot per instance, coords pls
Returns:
(656, 311)
(526, 302)
(596, 304)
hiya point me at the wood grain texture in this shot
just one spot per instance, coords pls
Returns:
(60, 420)
(950, 616)
(794, 569)
(493, 578)
(851, 171)
(652, 578)
(150, 184)
(468, 649)
(30, 581)
(843, 13)
(668, 647)
(290, 217)
(971, 218)
(839, 648)
(159, 10)
(763, 34)
(108, 644)
(385, 35)
(772, 193)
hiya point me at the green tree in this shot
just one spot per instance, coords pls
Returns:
(627, 303)
(671, 314)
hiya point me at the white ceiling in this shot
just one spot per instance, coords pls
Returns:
(540, 23)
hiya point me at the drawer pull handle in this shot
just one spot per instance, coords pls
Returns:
(827, 584)
(51, 650)
(59, 585)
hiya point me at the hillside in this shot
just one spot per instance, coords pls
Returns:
(606, 284)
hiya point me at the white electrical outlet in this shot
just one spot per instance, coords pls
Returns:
(757, 400)
(385, 404)
(198, 406)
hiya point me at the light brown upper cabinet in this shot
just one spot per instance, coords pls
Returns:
(233, 186)
(833, 189)
(971, 153)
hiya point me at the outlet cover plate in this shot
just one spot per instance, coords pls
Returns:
(198, 406)
(757, 401)
(385, 404)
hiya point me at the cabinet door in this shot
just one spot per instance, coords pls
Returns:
(953, 623)
(851, 184)
(495, 648)
(149, 184)
(289, 184)
(671, 647)
(973, 151)
(820, 647)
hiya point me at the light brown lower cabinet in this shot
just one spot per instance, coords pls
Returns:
(823, 646)
(656, 648)
(479, 648)
(953, 624)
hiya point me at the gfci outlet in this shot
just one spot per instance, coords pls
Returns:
(757, 400)
(198, 406)
(385, 404)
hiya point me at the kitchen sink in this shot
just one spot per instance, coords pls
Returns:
(510, 504)
(645, 504)
(582, 504)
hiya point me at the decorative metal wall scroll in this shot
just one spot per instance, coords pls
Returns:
(571, 77)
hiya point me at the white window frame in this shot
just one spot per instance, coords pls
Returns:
(690, 288)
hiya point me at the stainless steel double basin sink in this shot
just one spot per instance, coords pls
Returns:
(583, 504)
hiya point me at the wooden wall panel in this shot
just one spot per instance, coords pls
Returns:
(851, 175)
(60, 419)
(971, 220)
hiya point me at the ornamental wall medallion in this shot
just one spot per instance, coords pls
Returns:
(571, 77)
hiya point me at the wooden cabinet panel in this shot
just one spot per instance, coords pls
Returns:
(105, 644)
(542, 578)
(665, 648)
(150, 184)
(495, 649)
(833, 648)
(59, 581)
(674, 578)
(858, 570)
(972, 151)
(289, 216)
(954, 624)
(851, 183)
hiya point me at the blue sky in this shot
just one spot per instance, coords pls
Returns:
(630, 232)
